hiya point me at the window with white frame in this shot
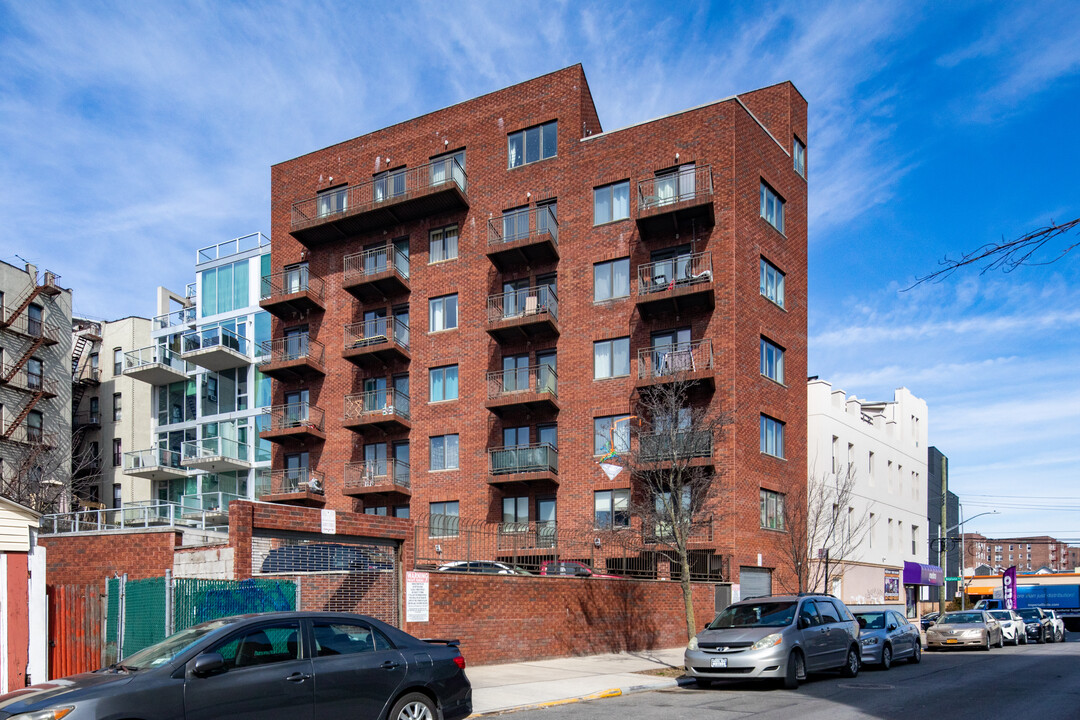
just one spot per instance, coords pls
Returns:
(772, 510)
(611, 358)
(772, 436)
(772, 360)
(443, 244)
(800, 157)
(772, 207)
(611, 202)
(609, 428)
(443, 452)
(443, 519)
(611, 279)
(443, 383)
(611, 509)
(443, 313)
(772, 282)
(532, 144)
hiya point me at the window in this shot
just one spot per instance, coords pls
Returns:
(835, 453)
(915, 541)
(450, 166)
(772, 361)
(772, 510)
(611, 279)
(442, 313)
(772, 207)
(261, 645)
(224, 288)
(444, 383)
(603, 434)
(772, 282)
(443, 244)
(772, 436)
(515, 510)
(334, 200)
(611, 202)
(532, 144)
(870, 467)
(35, 374)
(444, 519)
(800, 157)
(339, 638)
(389, 184)
(611, 358)
(117, 495)
(117, 452)
(611, 509)
(381, 510)
(116, 406)
(443, 452)
(870, 530)
(117, 361)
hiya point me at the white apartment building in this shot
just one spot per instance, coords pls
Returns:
(883, 445)
(203, 448)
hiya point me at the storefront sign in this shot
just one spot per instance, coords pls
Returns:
(920, 574)
(416, 596)
(892, 585)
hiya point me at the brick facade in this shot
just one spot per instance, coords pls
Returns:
(91, 558)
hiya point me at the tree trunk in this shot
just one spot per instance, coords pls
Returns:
(688, 596)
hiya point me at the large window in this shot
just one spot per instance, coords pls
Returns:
(224, 288)
(772, 510)
(772, 436)
(611, 202)
(611, 509)
(772, 207)
(800, 157)
(772, 360)
(176, 402)
(532, 144)
(603, 434)
(444, 383)
(444, 519)
(611, 279)
(225, 391)
(611, 358)
(772, 282)
(443, 244)
(442, 313)
(443, 452)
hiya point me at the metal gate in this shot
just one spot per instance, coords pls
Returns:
(754, 582)
(76, 620)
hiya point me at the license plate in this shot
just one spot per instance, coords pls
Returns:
(952, 641)
(719, 662)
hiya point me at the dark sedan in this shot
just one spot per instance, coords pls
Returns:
(293, 666)
(1037, 625)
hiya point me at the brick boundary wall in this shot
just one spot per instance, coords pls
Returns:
(91, 558)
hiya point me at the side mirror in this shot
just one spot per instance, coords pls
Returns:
(892, 626)
(208, 663)
(804, 622)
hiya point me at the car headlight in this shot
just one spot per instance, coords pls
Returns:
(50, 714)
(768, 641)
(866, 642)
(973, 633)
(692, 645)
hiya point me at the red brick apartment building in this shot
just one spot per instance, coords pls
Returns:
(466, 301)
(1028, 554)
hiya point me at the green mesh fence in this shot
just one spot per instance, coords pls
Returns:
(144, 614)
(112, 620)
(196, 601)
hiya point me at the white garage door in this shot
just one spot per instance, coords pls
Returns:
(754, 582)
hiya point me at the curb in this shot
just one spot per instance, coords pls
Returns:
(610, 693)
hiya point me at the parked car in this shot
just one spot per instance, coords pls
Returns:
(272, 665)
(326, 557)
(1037, 625)
(571, 568)
(928, 619)
(1057, 625)
(970, 628)
(1012, 626)
(781, 637)
(487, 567)
(886, 635)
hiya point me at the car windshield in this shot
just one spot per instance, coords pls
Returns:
(962, 618)
(762, 614)
(1032, 615)
(173, 645)
(871, 620)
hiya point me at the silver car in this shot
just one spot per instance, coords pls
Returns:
(780, 637)
(971, 628)
(1012, 626)
(886, 635)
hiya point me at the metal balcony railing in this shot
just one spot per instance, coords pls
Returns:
(293, 415)
(677, 446)
(532, 379)
(154, 457)
(674, 187)
(391, 186)
(37, 328)
(374, 261)
(538, 457)
(668, 360)
(289, 282)
(375, 332)
(677, 272)
(386, 401)
(523, 303)
(28, 435)
(183, 316)
(231, 247)
(215, 337)
(23, 379)
(293, 480)
(215, 447)
(86, 373)
(153, 513)
(538, 223)
(292, 347)
(375, 473)
(154, 355)
(86, 419)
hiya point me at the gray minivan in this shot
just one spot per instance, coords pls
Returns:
(781, 637)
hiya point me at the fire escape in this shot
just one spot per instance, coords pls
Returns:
(85, 462)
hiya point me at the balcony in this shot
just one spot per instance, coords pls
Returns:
(36, 329)
(675, 285)
(156, 365)
(533, 389)
(284, 294)
(26, 435)
(676, 200)
(682, 362)
(376, 275)
(523, 238)
(216, 455)
(182, 318)
(292, 357)
(23, 380)
(377, 343)
(295, 486)
(369, 477)
(295, 421)
(537, 463)
(687, 448)
(385, 410)
(527, 314)
(86, 421)
(392, 198)
(216, 349)
(154, 464)
(86, 374)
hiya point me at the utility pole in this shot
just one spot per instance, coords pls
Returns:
(943, 538)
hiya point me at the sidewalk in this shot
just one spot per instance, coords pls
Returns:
(497, 688)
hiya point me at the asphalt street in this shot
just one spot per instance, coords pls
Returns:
(1033, 681)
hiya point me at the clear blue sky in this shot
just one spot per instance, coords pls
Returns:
(133, 133)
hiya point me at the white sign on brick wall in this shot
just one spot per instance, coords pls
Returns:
(329, 522)
(416, 596)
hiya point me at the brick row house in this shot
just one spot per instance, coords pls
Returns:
(466, 303)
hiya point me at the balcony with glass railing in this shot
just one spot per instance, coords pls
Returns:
(682, 362)
(180, 318)
(230, 248)
(526, 237)
(525, 314)
(376, 273)
(533, 388)
(536, 463)
(292, 357)
(208, 503)
(674, 285)
(391, 198)
(377, 342)
(386, 410)
(216, 349)
(156, 365)
(292, 291)
(386, 476)
(674, 200)
(216, 455)
(293, 421)
(293, 486)
(155, 464)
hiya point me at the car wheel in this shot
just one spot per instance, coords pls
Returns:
(851, 667)
(1042, 636)
(796, 670)
(1023, 638)
(1060, 637)
(986, 646)
(886, 657)
(1001, 640)
(414, 706)
(916, 657)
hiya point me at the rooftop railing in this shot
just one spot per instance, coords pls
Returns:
(677, 186)
(538, 222)
(526, 302)
(669, 360)
(231, 247)
(153, 513)
(532, 379)
(207, 502)
(386, 401)
(677, 272)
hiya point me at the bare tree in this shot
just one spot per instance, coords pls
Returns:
(1009, 255)
(675, 493)
(40, 474)
(823, 532)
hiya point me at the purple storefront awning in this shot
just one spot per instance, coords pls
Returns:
(919, 574)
